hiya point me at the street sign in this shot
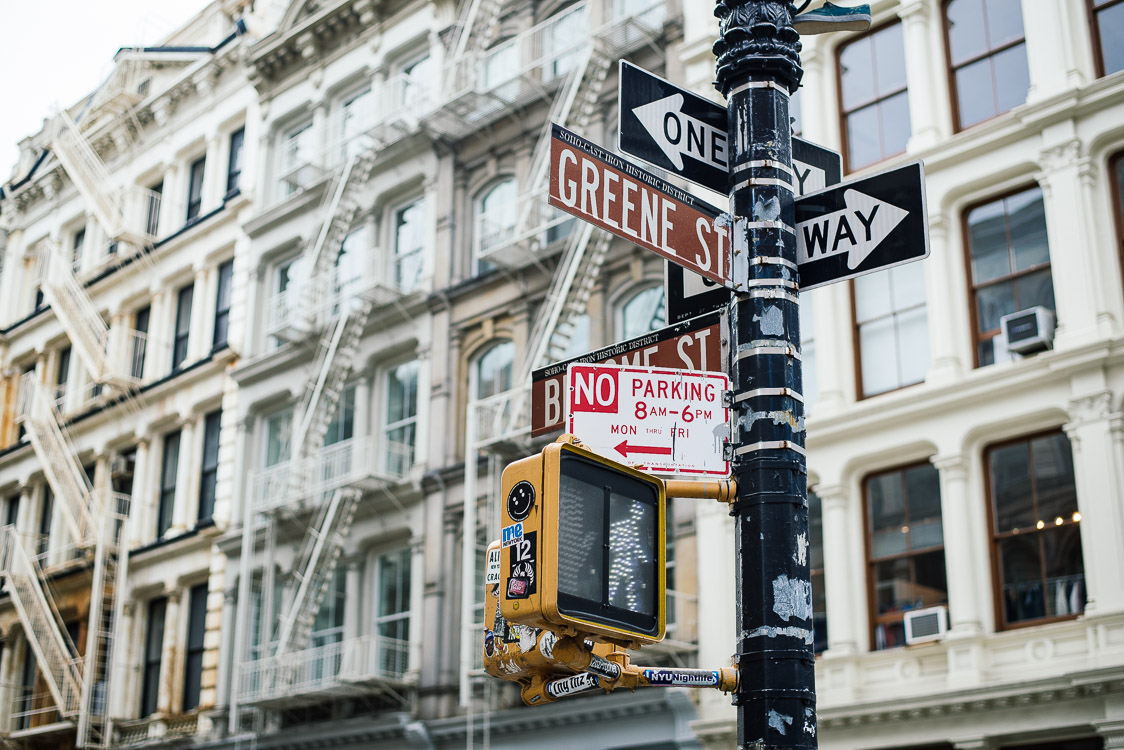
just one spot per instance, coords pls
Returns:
(665, 421)
(674, 129)
(619, 197)
(696, 345)
(689, 294)
(862, 226)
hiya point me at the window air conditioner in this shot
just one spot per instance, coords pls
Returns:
(1029, 331)
(121, 466)
(923, 625)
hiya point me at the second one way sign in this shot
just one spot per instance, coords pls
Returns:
(663, 421)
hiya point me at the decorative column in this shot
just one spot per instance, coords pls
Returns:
(140, 520)
(172, 213)
(838, 550)
(421, 447)
(214, 176)
(226, 647)
(960, 545)
(1098, 497)
(1049, 48)
(947, 328)
(716, 631)
(185, 470)
(353, 605)
(198, 342)
(1112, 730)
(814, 96)
(926, 80)
(168, 696)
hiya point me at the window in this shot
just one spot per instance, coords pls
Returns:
(414, 84)
(183, 326)
(209, 478)
(564, 33)
(278, 427)
(1010, 266)
(492, 373)
(409, 245)
(342, 425)
(401, 418)
(296, 145)
(892, 328)
(153, 654)
(643, 312)
(193, 663)
(290, 281)
(195, 189)
(495, 220)
(808, 350)
(222, 305)
(25, 701)
(140, 338)
(988, 58)
(500, 65)
(355, 118)
(169, 468)
(348, 272)
(905, 541)
(327, 628)
(257, 649)
(46, 513)
(1035, 529)
(62, 374)
(875, 102)
(392, 618)
(152, 217)
(815, 563)
(12, 510)
(1108, 34)
(234, 163)
(76, 249)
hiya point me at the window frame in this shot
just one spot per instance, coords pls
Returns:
(993, 536)
(1116, 191)
(857, 349)
(181, 334)
(140, 341)
(397, 260)
(869, 561)
(152, 667)
(951, 68)
(166, 494)
(480, 264)
(406, 583)
(195, 200)
(388, 426)
(966, 245)
(844, 141)
(152, 208)
(630, 295)
(208, 471)
(235, 154)
(193, 646)
(1095, 33)
(289, 160)
(225, 271)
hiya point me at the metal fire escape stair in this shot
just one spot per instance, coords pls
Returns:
(477, 28)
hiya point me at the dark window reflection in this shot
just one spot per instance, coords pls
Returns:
(1109, 22)
(988, 56)
(1036, 529)
(815, 563)
(874, 96)
(906, 536)
(1010, 265)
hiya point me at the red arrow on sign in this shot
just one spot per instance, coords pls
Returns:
(624, 449)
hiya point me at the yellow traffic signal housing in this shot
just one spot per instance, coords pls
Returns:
(583, 546)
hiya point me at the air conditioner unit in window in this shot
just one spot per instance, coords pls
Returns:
(121, 466)
(1029, 331)
(923, 625)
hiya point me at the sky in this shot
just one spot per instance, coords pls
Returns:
(53, 52)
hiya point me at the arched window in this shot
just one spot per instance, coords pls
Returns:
(643, 312)
(495, 220)
(491, 373)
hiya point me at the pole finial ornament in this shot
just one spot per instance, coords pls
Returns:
(756, 36)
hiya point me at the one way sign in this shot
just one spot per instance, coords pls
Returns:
(862, 226)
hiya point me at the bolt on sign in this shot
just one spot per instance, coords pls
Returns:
(662, 421)
(693, 345)
(620, 197)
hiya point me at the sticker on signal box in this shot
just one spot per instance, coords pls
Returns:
(661, 420)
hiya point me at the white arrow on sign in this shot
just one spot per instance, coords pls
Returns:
(677, 134)
(856, 230)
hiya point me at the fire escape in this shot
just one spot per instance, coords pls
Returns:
(319, 483)
(564, 60)
(79, 682)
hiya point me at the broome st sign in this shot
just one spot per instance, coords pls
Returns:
(619, 197)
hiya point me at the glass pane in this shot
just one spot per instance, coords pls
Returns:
(1110, 22)
(632, 531)
(987, 239)
(975, 92)
(1053, 479)
(923, 488)
(889, 635)
(644, 312)
(879, 356)
(1010, 488)
(1035, 289)
(994, 302)
(873, 295)
(1004, 22)
(390, 598)
(889, 56)
(402, 392)
(863, 143)
(894, 116)
(1026, 217)
(966, 31)
(893, 590)
(815, 532)
(819, 613)
(887, 515)
(929, 587)
(1012, 78)
(912, 333)
(856, 71)
(1021, 565)
(493, 370)
(1065, 571)
(277, 438)
(580, 524)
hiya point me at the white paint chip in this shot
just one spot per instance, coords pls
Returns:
(792, 598)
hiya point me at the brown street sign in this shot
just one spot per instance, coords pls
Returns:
(602, 188)
(692, 345)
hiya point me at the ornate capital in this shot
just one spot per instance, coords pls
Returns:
(953, 467)
(1060, 155)
(1092, 408)
(756, 37)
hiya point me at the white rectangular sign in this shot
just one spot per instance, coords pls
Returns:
(661, 420)
(492, 576)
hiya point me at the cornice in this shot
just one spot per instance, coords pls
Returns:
(307, 40)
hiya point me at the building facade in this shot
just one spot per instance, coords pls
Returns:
(271, 300)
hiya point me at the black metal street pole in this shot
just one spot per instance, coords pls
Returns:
(758, 66)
